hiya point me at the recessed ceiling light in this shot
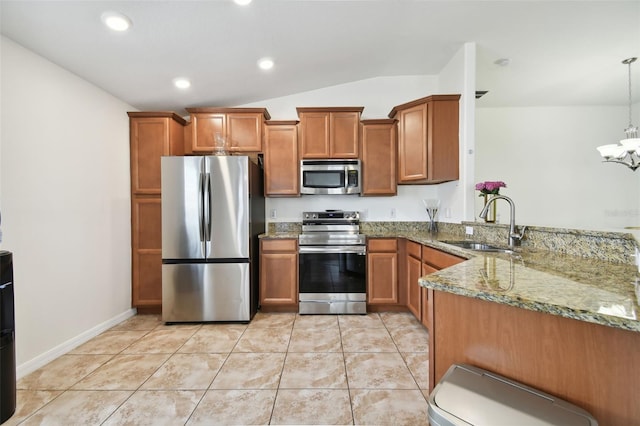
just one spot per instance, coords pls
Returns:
(116, 21)
(265, 63)
(181, 83)
(242, 2)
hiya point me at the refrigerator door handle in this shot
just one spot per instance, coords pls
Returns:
(207, 208)
(201, 205)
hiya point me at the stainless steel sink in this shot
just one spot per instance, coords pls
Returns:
(472, 245)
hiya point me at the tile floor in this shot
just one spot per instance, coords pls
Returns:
(279, 369)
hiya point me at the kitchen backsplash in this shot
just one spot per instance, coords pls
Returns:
(609, 246)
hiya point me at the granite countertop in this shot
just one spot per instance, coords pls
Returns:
(586, 289)
(589, 290)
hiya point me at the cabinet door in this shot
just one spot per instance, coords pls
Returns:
(279, 273)
(204, 127)
(382, 278)
(414, 270)
(344, 134)
(443, 161)
(379, 159)
(149, 141)
(147, 252)
(412, 144)
(244, 132)
(281, 164)
(314, 135)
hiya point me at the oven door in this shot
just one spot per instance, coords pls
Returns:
(332, 279)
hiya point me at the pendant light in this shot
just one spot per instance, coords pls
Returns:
(628, 151)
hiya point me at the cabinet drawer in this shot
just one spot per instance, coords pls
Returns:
(382, 245)
(279, 245)
(413, 249)
(439, 259)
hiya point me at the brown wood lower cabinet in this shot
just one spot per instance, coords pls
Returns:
(279, 275)
(593, 366)
(146, 254)
(382, 271)
(433, 260)
(414, 272)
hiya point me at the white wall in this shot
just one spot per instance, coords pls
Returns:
(547, 157)
(378, 96)
(65, 205)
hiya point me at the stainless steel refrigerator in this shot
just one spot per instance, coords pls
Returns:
(212, 214)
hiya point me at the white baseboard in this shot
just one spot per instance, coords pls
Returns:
(48, 356)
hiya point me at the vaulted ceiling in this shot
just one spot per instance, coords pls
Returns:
(559, 52)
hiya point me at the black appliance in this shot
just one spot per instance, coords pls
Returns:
(7, 338)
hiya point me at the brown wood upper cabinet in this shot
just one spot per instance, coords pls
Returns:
(281, 160)
(428, 139)
(329, 132)
(152, 135)
(378, 148)
(241, 127)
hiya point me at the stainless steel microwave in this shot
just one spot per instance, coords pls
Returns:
(330, 177)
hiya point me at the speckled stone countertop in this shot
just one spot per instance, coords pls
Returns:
(588, 289)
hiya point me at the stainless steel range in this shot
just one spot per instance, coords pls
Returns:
(333, 263)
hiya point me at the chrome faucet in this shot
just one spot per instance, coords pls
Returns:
(514, 236)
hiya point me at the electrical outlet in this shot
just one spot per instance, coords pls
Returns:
(468, 230)
(638, 258)
(273, 213)
(393, 213)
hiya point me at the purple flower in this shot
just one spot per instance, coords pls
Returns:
(490, 187)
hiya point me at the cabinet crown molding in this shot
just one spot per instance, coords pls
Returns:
(220, 110)
(426, 99)
(157, 114)
(329, 109)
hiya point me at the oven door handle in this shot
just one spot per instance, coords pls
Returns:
(361, 250)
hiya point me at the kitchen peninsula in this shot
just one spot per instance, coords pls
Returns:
(565, 324)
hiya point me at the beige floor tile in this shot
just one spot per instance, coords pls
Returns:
(399, 319)
(378, 371)
(418, 363)
(63, 372)
(123, 372)
(220, 338)
(371, 320)
(410, 339)
(79, 408)
(186, 371)
(261, 320)
(250, 371)
(161, 340)
(315, 340)
(156, 408)
(267, 339)
(367, 340)
(389, 407)
(109, 342)
(312, 407)
(315, 321)
(139, 322)
(28, 402)
(234, 407)
(313, 371)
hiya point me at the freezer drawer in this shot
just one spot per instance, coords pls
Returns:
(468, 395)
(206, 292)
